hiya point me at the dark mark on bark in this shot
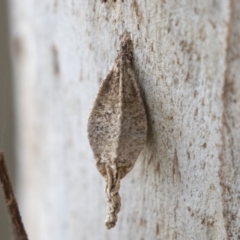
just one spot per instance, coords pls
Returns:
(157, 229)
(17, 46)
(175, 170)
(196, 112)
(56, 68)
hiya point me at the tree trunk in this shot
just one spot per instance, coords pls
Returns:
(185, 183)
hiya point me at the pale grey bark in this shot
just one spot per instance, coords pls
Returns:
(185, 184)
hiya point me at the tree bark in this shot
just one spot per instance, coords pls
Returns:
(185, 183)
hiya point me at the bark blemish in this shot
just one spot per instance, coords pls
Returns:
(17, 46)
(176, 81)
(196, 112)
(175, 169)
(90, 47)
(135, 8)
(157, 169)
(55, 5)
(204, 145)
(81, 76)
(157, 229)
(104, 1)
(195, 93)
(204, 165)
(56, 68)
(142, 222)
(211, 231)
(150, 159)
(152, 49)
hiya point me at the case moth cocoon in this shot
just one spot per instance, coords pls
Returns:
(117, 126)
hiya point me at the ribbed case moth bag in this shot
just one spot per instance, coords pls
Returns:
(117, 126)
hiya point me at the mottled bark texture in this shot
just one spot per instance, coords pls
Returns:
(185, 183)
